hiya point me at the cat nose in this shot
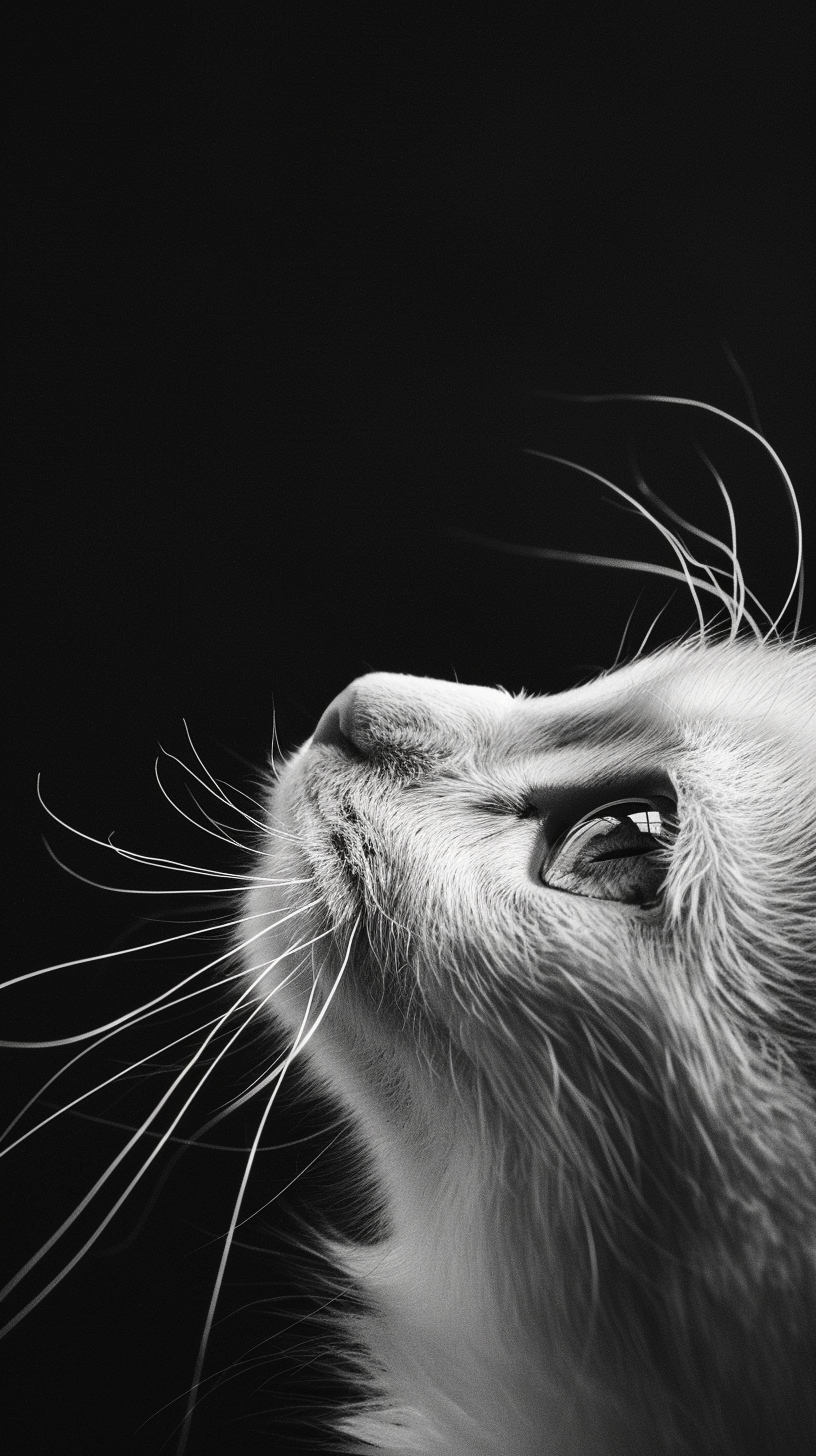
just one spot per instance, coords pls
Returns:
(336, 726)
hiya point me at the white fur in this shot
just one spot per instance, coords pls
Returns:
(591, 1125)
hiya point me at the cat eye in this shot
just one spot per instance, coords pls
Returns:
(614, 852)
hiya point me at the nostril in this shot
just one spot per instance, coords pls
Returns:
(336, 726)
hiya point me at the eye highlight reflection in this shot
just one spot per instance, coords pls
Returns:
(613, 853)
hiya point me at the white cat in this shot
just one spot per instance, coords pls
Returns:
(569, 945)
(558, 958)
(554, 958)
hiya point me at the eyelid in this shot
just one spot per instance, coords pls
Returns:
(560, 810)
(519, 806)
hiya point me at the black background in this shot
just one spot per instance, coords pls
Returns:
(284, 284)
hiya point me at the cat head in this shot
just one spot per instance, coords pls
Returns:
(479, 842)
(568, 944)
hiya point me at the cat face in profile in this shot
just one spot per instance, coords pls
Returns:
(562, 953)
(553, 960)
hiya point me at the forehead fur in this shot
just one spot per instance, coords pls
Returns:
(760, 687)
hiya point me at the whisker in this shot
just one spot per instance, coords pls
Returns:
(260, 1082)
(275, 744)
(739, 589)
(223, 829)
(547, 553)
(619, 652)
(123, 1072)
(202, 828)
(216, 790)
(133, 1019)
(301, 1040)
(693, 583)
(797, 587)
(220, 797)
(194, 1140)
(711, 571)
(108, 955)
(122, 1154)
(279, 1192)
(155, 861)
(218, 787)
(150, 945)
(738, 586)
(179, 891)
(654, 623)
(209, 784)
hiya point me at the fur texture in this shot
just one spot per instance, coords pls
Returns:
(590, 1121)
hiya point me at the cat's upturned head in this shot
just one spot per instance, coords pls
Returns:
(555, 956)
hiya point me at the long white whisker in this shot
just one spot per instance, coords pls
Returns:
(125, 1025)
(108, 955)
(155, 861)
(712, 572)
(102, 1180)
(177, 866)
(659, 614)
(123, 1072)
(676, 546)
(231, 1106)
(223, 830)
(547, 553)
(194, 1140)
(275, 744)
(201, 782)
(210, 787)
(202, 828)
(737, 579)
(739, 589)
(242, 794)
(624, 633)
(302, 1038)
(219, 787)
(797, 585)
(180, 891)
(263, 1079)
(182, 813)
(280, 1192)
(157, 1000)
(257, 1086)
